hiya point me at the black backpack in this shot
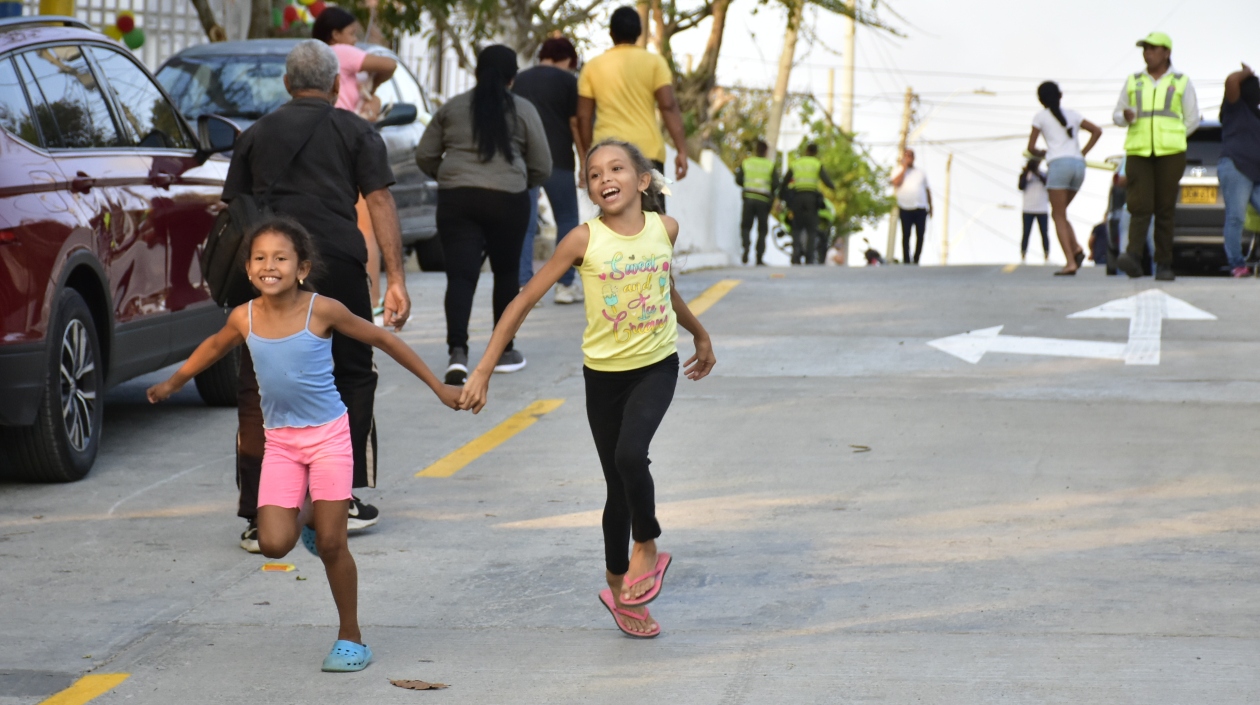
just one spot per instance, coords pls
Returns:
(222, 261)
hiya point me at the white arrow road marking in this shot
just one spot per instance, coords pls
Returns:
(1146, 312)
(972, 345)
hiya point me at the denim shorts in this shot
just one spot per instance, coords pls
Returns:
(1066, 173)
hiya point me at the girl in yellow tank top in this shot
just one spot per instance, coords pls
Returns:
(625, 257)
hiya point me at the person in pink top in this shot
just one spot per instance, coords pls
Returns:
(340, 30)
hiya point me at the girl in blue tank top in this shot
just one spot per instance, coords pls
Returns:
(289, 334)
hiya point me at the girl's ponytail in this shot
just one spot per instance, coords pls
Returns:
(1049, 95)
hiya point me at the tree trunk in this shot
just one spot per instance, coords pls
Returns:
(214, 32)
(796, 11)
(643, 6)
(658, 28)
(695, 88)
(259, 19)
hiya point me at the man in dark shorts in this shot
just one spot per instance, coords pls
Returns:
(338, 156)
(552, 87)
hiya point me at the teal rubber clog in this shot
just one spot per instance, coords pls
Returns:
(347, 657)
(308, 540)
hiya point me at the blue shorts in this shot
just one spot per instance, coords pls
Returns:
(1067, 173)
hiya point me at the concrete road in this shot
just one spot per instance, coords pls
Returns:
(1028, 528)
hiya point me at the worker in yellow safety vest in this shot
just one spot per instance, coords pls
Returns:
(800, 189)
(1160, 109)
(760, 180)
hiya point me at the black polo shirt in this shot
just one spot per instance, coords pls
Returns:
(345, 157)
(553, 91)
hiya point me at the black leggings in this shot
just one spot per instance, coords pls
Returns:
(474, 223)
(1041, 219)
(625, 409)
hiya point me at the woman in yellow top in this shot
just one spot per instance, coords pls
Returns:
(625, 258)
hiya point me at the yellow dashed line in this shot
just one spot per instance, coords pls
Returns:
(87, 688)
(712, 295)
(1009, 268)
(488, 441)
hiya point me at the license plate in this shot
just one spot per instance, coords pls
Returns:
(1198, 195)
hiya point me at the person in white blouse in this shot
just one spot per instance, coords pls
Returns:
(1065, 161)
(1032, 181)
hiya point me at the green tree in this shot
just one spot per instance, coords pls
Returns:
(860, 196)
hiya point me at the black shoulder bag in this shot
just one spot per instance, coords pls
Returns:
(222, 259)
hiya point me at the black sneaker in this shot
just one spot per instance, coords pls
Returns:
(1164, 273)
(249, 537)
(457, 370)
(510, 361)
(361, 515)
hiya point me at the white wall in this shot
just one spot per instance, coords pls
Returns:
(707, 205)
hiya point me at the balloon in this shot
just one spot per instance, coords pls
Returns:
(290, 14)
(317, 7)
(134, 39)
(113, 33)
(125, 22)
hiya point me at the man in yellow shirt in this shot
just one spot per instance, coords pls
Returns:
(620, 90)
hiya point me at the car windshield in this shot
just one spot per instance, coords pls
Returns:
(1204, 146)
(231, 86)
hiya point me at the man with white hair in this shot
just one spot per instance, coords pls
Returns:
(311, 162)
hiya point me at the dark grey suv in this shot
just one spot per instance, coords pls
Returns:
(243, 81)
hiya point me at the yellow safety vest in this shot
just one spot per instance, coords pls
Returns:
(758, 177)
(1159, 128)
(805, 174)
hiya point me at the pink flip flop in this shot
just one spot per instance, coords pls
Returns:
(609, 603)
(662, 564)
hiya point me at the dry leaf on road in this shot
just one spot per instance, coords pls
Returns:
(418, 685)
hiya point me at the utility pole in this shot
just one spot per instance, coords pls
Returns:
(949, 163)
(846, 71)
(831, 95)
(778, 98)
(901, 152)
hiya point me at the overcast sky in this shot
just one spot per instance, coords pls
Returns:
(1001, 46)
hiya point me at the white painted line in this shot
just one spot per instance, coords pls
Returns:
(972, 345)
(163, 481)
(1146, 313)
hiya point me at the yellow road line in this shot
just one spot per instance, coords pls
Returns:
(1009, 268)
(87, 688)
(712, 295)
(488, 441)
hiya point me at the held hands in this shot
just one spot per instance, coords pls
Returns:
(701, 363)
(161, 391)
(473, 397)
(449, 395)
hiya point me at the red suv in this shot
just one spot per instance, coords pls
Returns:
(106, 197)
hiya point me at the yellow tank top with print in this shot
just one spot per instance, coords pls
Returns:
(630, 319)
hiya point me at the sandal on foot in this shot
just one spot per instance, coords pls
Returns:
(606, 599)
(662, 564)
(1080, 258)
(347, 657)
(1065, 273)
(308, 540)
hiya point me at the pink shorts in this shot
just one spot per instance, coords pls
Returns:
(316, 456)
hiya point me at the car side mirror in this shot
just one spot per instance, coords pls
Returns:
(397, 114)
(216, 134)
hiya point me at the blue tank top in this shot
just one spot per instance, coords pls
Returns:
(295, 377)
